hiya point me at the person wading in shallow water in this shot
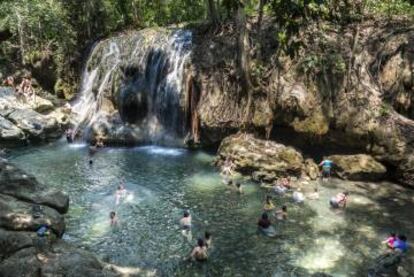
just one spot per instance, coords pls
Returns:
(339, 201)
(199, 252)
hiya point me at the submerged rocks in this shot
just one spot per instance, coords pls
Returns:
(264, 160)
(358, 167)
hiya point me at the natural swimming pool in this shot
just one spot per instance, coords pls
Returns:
(162, 182)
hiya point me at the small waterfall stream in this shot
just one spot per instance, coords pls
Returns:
(134, 86)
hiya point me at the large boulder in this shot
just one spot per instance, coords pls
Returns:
(358, 167)
(264, 160)
(34, 124)
(20, 216)
(14, 182)
(11, 242)
(10, 133)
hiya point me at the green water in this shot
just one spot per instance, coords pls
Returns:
(162, 182)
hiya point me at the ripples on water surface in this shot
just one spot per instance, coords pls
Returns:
(162, 182)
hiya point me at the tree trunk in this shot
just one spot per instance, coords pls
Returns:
(243, 61)
(212, 11)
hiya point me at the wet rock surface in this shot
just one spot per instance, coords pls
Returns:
(22, 121)
(22, 251)
(358, 167)
(263, 160)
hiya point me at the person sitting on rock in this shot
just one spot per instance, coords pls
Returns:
(199, 252)
(113, 218)
(390, 240)
(9, 82)
(326, 168)
(26, 88)
(282, 214)
(400, 244)
(298, 196)
(339, 201)
(268, 205)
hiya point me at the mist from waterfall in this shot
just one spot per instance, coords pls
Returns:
(134, 85)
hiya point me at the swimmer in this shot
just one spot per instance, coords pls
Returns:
(199, 252)
(120, 193)
(390, 240)
(207, 239)
(268, 205)
(264, 221)
(314, 195)
(400, 244)
(239, 188)
(185, 221)
(282, 214)
(113, 218)
(298, 196)
(339, 201)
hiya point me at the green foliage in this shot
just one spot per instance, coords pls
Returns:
(391, 7)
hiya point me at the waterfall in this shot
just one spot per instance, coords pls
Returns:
(133, 87)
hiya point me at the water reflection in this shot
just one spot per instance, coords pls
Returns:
(162, 182)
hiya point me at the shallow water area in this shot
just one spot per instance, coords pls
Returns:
(162, 182)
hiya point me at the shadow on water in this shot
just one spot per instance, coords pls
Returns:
(162, 182)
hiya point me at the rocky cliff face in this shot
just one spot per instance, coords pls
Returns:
(347, 87)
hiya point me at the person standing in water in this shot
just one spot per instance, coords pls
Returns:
(199, 252)
(119, 194)
(339, 201)
(113, 218)
(282, 214)
(239, 188)
(264, 221)
(326, 168)
(185, 221)
(268, 205)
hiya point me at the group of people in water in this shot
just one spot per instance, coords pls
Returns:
(24, 90)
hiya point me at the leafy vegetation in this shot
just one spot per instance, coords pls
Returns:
(60, 31)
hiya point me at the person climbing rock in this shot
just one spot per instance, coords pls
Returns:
(326, 168)
(199, 252)
(339, 201)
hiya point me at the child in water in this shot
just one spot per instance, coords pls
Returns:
(390, 240)
(113, 218)
(282, 214)
(268, 206)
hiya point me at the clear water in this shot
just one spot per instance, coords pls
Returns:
(162, 182)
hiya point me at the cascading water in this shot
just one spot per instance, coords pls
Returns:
(134, 87)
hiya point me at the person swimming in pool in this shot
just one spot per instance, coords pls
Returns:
(339, 201)
(199, 252)
(113, 218)
(268, 205)
(282, 213)
(119, 194)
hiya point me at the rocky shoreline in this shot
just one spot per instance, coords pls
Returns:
(25, 253)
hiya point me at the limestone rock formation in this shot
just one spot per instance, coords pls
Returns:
(22, 121)
(263, 160)
(358, 167)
